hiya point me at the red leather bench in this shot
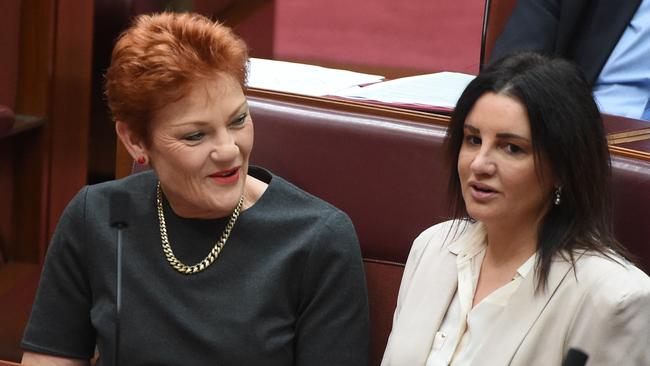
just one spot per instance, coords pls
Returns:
(382, 171)
(389, 175)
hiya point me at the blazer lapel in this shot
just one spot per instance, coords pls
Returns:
(523, 309)
(427, 300)
(425, 306)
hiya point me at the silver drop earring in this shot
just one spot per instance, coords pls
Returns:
(558, 193)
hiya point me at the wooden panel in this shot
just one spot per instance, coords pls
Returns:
(123, 161)
(70, 111)
(10, 10)
(45, 165)
(30, 158)
(49, 163)
(6, 185)
(18, 282)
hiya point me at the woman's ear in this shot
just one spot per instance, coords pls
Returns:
(132, 142)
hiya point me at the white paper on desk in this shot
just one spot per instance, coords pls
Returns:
(303, 79)
(440, 89)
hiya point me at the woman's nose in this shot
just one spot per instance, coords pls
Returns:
(483, 162)
(224, 148)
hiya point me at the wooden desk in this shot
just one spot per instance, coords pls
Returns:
(628, 137)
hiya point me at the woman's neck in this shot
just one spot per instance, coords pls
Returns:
(510, 245)
(507, 249)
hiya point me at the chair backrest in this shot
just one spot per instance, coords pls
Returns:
(383, 279)
(390, 176)
(386, 173)
(382, 171)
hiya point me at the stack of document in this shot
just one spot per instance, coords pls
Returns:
(433, 92)
(303, 79)
(439, 91)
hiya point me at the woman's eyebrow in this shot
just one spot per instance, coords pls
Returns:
(239, 110)
(471, 128)
(508, 135)
(502, 135)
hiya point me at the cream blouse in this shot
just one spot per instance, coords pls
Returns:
(464, 329)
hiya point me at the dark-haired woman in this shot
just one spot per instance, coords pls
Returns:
(529, 267)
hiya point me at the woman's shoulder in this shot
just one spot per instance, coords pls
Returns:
(137, 183)
(610, 279)
(95, 200)
(292, 200)
(446, 234)
(445, 238)
(309, 221)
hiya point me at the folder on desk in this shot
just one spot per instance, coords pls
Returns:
(303, 79)
(436, 92)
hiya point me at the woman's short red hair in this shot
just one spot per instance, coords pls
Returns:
(156, 60)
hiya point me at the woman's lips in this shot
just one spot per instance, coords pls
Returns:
(481, 192)
(226, 177)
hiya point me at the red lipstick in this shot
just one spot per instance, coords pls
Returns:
(226, 177)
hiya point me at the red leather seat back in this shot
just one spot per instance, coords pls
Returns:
(383, 279)
(631, 194)
(385, 173)
(388, 174)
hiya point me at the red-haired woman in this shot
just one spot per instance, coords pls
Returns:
(224, 263)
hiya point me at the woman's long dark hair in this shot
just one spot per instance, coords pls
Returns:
(567, 130)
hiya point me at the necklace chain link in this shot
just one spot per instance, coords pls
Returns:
(214, 253)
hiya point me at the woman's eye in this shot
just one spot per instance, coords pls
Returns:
(239, 120)
(473, 140)
(513, 149)
(197, 136)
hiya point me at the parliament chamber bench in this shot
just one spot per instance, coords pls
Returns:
(386, 169)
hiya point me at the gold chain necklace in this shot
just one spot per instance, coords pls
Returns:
(214, 253)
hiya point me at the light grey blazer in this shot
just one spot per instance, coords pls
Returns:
(603, 308)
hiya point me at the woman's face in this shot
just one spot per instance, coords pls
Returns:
(496, 165)
(200, 146)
